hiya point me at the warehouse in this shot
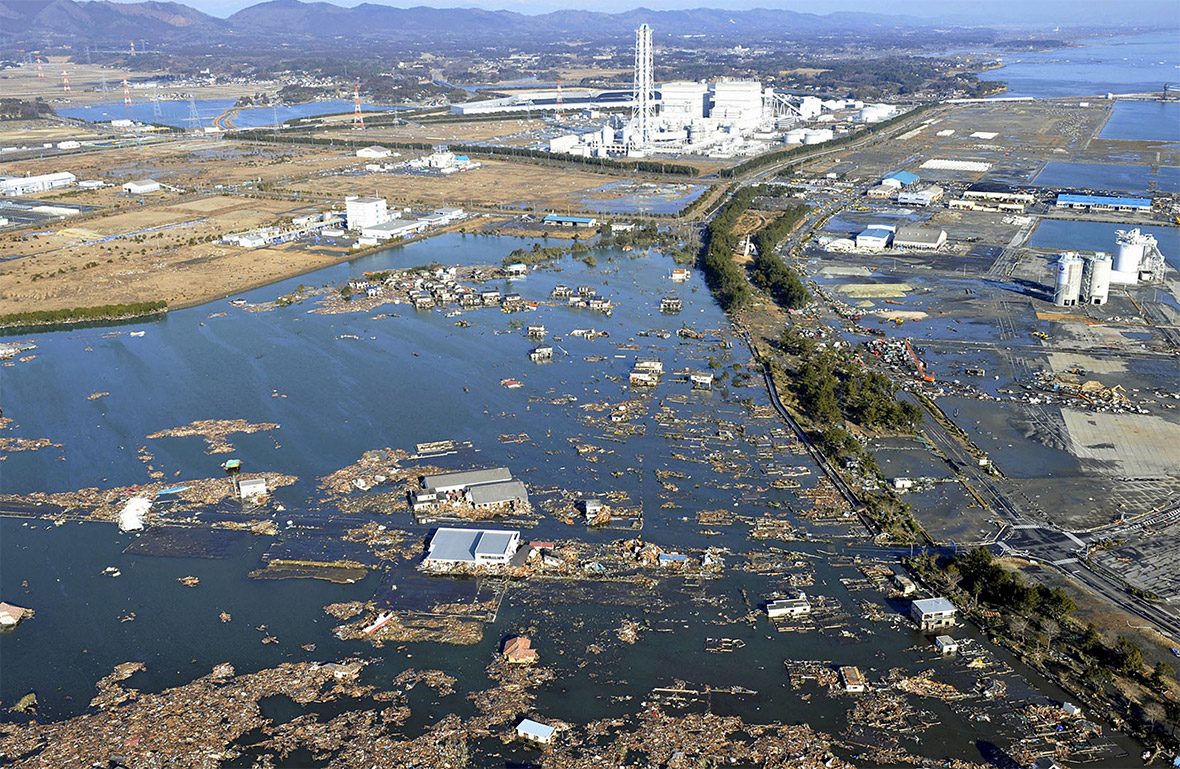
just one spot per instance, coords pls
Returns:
(448, 482)
(875, 238)
(25, 185)
(1102, 203)
(141, 186)
(788, 607)
(471, 547)
(1001, 193)
(922, 197)
(496, 494)
(374, 152)
(912, 236)
(557, 220)
(396, 228)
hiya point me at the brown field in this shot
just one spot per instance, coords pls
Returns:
(20, 133)
(471, 131)
(166, 264)
(86, 82)
(497, 183)
(193, 162)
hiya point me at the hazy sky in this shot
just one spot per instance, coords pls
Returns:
(987, 12)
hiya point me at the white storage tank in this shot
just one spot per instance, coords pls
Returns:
(817, 135)
(1096, 279)
(1133, 245)
(1068, 285)
(795, 136)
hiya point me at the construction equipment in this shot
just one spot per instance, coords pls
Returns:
(922, 375)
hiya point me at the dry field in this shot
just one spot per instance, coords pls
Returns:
(86, 83)
(19, 133)
(160, 256)
(192, 163)
(497, 183)
(443, 133)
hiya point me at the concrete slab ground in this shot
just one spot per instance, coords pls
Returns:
(1135, 445)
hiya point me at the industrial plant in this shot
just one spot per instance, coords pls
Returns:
(1086, 279)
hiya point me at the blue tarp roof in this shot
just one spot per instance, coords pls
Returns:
(905, 177)
(1103, 200)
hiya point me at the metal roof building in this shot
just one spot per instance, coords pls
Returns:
(910, 236)
(905, 177)
(535, 731)
(933, 612)
(490, 494)
(570, 221)
(1103, 203)
(471, 547)
(462, 480)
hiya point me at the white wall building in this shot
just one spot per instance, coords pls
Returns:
(683, 101)
(141, 186)
(25, 185)
(374, 152)
(738, 102)
(365, 212)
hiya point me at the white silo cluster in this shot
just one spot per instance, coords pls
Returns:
(817, 135)
(1096, 278)
(1068, 286)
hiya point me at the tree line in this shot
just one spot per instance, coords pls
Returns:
(769, 273)
(81, 314)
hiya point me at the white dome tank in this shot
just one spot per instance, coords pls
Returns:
(795, 136)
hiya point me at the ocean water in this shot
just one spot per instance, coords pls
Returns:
(1125, 64)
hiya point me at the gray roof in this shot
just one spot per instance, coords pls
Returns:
(462, 544)
(918, 234)
(933, 605)
(467, 478)
(535, 728)
(495, 493)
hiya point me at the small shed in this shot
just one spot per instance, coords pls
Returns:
(535, 732)
(946, 645)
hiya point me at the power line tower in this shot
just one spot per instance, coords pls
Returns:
(194, 116)
(643, 112)
(40, 68)
(65, 81)
(104, 87)
(358, 119)
(560, 112)
(126, 93)
(157, 113)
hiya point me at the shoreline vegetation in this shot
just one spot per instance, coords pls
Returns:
(34, 319)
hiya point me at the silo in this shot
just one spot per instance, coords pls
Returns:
(1096, 279)
(795, 136)
(1069, 280)
(817, 135)
(1132, 244)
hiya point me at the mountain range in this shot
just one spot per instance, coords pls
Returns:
(103, 21)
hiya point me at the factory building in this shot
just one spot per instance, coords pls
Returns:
(913, 236)
(374, 152)
(738, 102)
(1137, 258)
(684, 101)
(1068, 285)
(392, 229)
(365, 212)
(27, 185)
(448, 482)
(1000, 193)
(490, 495)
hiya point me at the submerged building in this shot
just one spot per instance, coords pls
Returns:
(471, 547)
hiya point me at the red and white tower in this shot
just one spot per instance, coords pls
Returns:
(358, 119)
(560, 113)
(126, 93)
(132, 47)
(40, 69)
(65, 81)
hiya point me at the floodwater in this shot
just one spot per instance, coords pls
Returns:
(178, 112)
(341, 384)
(1103, 176)
(1143, 121)
(1077, 235)
(1125, 64)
